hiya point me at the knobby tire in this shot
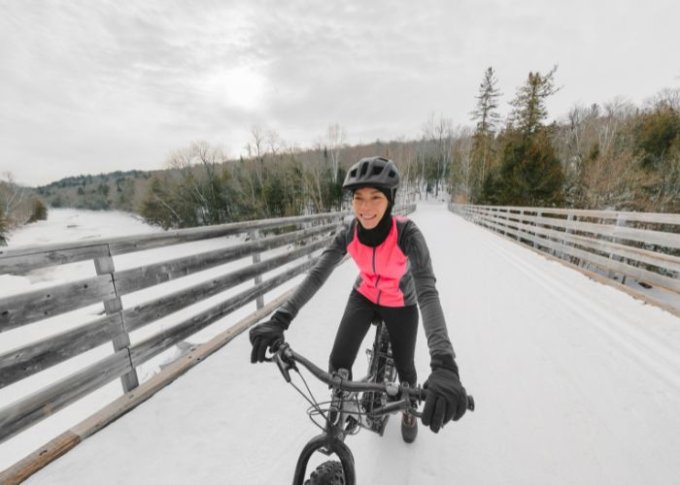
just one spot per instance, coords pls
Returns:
(328, 473)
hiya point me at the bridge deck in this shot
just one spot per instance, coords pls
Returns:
(575, 382)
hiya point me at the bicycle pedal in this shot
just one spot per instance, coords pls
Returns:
(351, 425)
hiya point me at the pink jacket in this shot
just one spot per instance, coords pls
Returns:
(397, 273)
(381, 269)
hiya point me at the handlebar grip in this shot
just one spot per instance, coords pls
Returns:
(421, 394)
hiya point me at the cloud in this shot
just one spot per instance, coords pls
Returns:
(94, 86)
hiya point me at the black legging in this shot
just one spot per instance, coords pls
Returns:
(402, 325)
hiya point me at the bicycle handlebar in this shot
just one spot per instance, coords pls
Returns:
(285, 358)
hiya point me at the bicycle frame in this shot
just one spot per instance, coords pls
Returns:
(332, 439)
(345, 391)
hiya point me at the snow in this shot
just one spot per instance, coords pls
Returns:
(67, 225)
(575, 382)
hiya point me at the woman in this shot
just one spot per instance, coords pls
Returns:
(395, 279)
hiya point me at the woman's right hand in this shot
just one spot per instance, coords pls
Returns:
(267, 335)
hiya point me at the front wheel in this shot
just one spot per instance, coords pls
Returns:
(328, 473)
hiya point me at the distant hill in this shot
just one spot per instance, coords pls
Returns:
(116, 190)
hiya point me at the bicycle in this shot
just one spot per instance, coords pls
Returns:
(367, 404)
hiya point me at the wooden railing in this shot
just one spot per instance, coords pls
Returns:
(611, 244)
(305, 235)
(299, 237)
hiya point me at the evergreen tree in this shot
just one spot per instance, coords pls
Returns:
(529, 109)
(530, 172)
(165, 205)
(655, 132)
(486, 117)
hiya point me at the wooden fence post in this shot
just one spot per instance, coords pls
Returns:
(104, 265)
(257, 258)
(568, 231)
(520, 225)
(538, 225)
(620, 222)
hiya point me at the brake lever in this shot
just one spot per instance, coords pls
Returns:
(283, 367)
(282, 362)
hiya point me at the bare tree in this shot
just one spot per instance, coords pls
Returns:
(461, 176)
(197, 165)
(11, 195)
(616, 111)
(256, 147)
(669, 97)
(274, 143)
(439, 132)
(336, 136)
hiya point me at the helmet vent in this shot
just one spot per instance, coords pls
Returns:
(377, 170)
(364, 169)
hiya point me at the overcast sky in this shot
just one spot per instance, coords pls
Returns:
(92, 86)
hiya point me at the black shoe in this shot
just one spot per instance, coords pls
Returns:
(409, 428)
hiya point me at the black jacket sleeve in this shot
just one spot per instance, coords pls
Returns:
(317, 276)
(420, 266)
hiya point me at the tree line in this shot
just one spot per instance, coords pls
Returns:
(202, 187)
(610, 156)
(614, 156)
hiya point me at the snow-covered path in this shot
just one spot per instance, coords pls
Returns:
(575, 382)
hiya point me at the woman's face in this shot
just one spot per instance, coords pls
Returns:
(369, 206)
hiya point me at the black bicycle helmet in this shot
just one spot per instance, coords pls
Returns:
(377, 172)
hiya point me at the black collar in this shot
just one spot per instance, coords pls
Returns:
(376, 236)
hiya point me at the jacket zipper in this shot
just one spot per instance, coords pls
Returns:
(377, 280)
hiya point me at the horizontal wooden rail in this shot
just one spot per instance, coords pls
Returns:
(32, 358)
(25, 308)
(150, 311)
(661, 260)
(37, 356)
(146, 276)
(647, 236)
(605, 262)
(147, 349)
(24, 259)
(650, 217)
(36, 407)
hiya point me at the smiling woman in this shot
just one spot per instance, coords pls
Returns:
(242, 87)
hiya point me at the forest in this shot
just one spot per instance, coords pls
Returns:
(614, 156)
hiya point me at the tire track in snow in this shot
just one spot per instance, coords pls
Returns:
(657, 356)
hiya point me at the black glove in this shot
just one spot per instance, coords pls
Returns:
(268, 335)
(446, 397)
